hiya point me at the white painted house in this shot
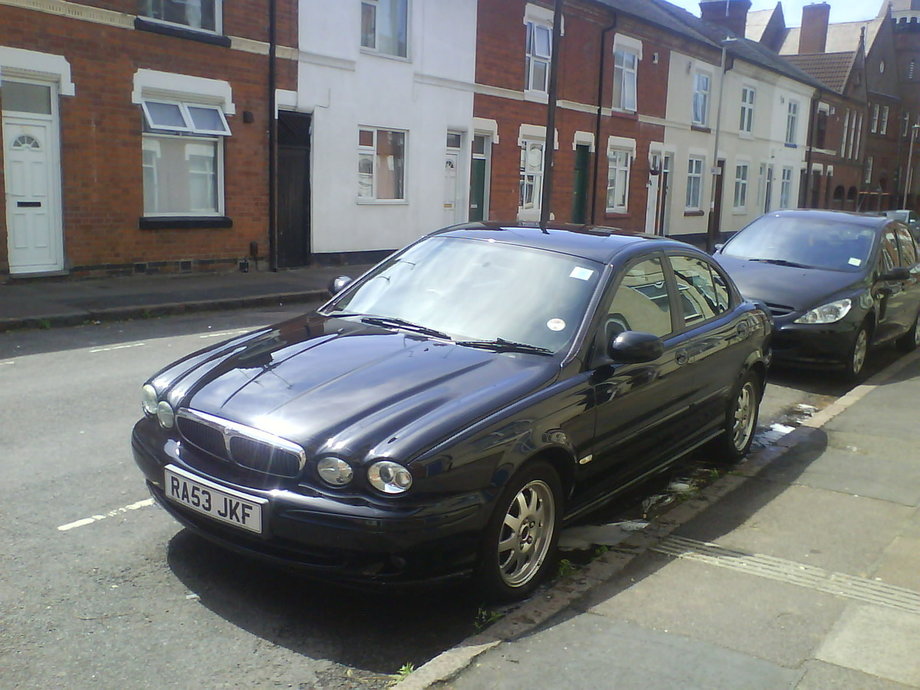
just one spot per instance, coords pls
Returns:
(389, 88)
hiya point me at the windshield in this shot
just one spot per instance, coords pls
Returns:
(479, 290)
(804, 241)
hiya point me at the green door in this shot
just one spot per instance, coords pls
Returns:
(580, 184)
(477, 189)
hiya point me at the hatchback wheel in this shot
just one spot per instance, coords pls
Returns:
(858, 353)
(520, 541)
(910, 340)
(740, 419)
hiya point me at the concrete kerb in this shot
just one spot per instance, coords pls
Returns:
(80, 316)
(560, 594)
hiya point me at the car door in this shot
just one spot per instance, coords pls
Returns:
(641, 409)
(712, 335)
(907, 250)
(892, 299)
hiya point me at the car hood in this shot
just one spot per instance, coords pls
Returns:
(798, 288)
(334, 385)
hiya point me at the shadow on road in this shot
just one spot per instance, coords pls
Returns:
(375, 631)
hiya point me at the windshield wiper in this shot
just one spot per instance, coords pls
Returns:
(502, 345)
(392, 322)
(781, 262)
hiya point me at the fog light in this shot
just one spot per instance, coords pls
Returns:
(149, 399)
(334, 471)
(165, 415)
(389, 477)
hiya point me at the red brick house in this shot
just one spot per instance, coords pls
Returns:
(136, 134)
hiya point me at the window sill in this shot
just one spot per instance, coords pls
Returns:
(700, 128)
(624, 114)
(536, 96)
(616, 213)
(386, 56)
(745, 135)
(183, 222)
(694, 212)
(153, 26)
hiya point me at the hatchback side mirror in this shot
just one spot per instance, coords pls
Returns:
(899, 273)
(634, 347)
(336, 285)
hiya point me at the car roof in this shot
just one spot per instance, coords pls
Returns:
(593, 242)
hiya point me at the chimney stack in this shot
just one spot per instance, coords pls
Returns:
(813, 34)
(730, 14)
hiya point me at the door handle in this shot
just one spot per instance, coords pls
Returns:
(681, 357)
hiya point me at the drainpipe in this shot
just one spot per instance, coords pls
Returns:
(597, 118)
(713, 231)
(812, 124)
(550, 142)
(272, 140)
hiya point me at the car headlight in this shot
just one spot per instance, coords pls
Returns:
(149, 399)
(827, 313)
(165, 415)
(389, 477)
(334, 471)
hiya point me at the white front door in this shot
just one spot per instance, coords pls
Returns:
(451, 190)
(30, 154)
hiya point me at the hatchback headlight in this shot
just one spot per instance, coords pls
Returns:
(334, 471)
(149, 399)
(389, 477)
(827, 313)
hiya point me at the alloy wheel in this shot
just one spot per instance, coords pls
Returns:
(744, 416)
(526, 533)
(860, 348)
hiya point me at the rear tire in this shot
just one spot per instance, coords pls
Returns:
(740, 420)
(519, 545)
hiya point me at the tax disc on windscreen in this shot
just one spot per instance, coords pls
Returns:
(555, 324)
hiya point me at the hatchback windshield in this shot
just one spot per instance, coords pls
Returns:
(804, 241)
(479, 290)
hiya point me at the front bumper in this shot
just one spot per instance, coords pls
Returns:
(815, 344)
(350, 540)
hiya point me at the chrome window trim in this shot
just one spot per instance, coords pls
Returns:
(230, 430)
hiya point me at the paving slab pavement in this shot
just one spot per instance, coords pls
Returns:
(800, 570)
(45, 303)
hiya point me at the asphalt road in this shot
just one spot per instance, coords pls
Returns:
(101, 589)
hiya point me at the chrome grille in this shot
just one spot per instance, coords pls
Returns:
(242, 445)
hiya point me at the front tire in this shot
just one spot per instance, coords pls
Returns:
(858, 353)
(740, 419)
(519, 546)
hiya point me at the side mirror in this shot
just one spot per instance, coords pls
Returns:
(899, 273)
(634, 347)
(336, 285)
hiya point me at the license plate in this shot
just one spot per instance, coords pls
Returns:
(225, 505)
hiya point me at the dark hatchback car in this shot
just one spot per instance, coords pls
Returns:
(444, 414)
(836, 283)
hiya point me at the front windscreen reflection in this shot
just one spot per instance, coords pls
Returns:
(475, 289)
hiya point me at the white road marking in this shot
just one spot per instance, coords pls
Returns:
(117, 347)
(3, 364)
(226, 334)
(111, 513)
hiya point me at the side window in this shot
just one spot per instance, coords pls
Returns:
(640, 302)
(701, 296)
(908, 248)
(889, 254)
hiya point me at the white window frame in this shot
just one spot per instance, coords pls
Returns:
(873, 122)
(189, 123)
(531, 174)
(375, 49)
(785, 187)
(792, 122)
(867, 179)
(158, 137)
(623, 74)
(531, 57)
(218, 19)
(701, 95)
(695, 175)
(372, 152)
(883, 123)
(846, 134)
(742, 173)
(619, 164)
(748, 98)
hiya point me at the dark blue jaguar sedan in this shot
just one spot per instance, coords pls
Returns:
(446, 413)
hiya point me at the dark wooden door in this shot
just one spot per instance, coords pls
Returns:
(580, 184)
(293, 189)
